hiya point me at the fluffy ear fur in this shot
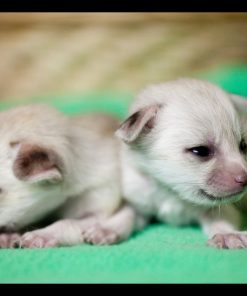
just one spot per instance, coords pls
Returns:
(140, 121)
(35, 164)
(239, 102)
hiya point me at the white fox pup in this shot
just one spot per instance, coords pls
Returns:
(66, 166)
(184, 157)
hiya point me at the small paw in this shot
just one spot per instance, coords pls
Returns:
(97, 235)
(9, 240)
(37, 240)
(236, 240)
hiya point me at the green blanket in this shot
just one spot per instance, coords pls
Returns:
(158, 254)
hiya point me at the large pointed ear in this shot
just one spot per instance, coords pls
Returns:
(239, 102)
(36, 164)
(139, 122)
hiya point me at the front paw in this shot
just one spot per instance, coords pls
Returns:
(235, 240)
(98, 235)
(9, 240)
(36, 239)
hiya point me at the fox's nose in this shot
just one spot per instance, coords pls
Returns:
(241, 178)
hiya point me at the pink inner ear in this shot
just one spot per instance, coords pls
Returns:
(33, 160)
(142, 120)
(150, 124)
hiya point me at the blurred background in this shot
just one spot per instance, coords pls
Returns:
(61, 53)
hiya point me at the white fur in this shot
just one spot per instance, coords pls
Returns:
(89, 193)
(160, 179)
(153, 172)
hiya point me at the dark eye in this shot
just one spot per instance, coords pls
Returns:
(201, 151)
(243, 146)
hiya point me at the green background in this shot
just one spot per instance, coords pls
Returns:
(158, 254)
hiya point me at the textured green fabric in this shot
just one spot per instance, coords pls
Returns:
(159, 254)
